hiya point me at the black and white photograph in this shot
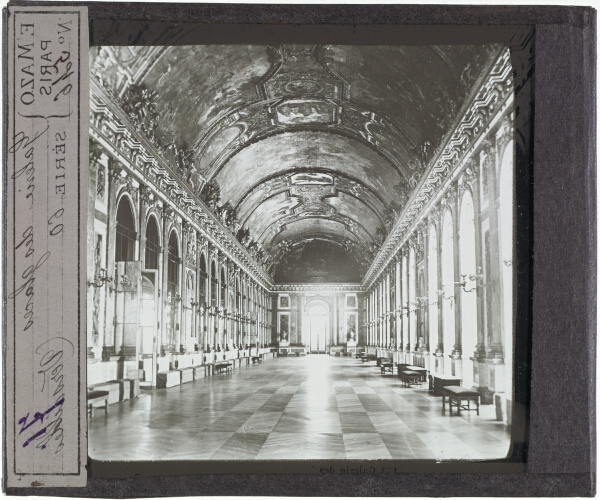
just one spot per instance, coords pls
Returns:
(302, 251)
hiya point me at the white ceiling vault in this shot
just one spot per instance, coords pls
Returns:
(316, 147)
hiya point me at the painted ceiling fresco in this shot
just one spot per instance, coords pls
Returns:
(313, 148)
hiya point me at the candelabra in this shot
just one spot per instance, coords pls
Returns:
(442, 294)
(201, 309)
(100, 279)
(477, 278)
(125, 282)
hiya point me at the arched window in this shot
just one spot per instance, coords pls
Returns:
(152, 244)
(126, 235)
(203, 280)
(223, 289)
(173, 265)
(213, 284)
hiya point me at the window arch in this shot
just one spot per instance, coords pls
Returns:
(213, 284)
(152, 244)
(223, 289)
(203, 279)
(173, 265)
(126, 235)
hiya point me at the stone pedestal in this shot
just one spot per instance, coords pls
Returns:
(128, 368)
(168, 379)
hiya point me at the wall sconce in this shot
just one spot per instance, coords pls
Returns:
(100, 279)
(442, 294)
(193, 303)
(477, 278)
(176, 298)
(508, 262)
(125, 282)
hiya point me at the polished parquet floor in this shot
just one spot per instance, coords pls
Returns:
(313, 407)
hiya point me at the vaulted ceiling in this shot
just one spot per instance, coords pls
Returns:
(315, 146)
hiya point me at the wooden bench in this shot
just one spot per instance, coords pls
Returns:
(368, 357)
(386, 365)
(440, 381)
(256, 359)
(409, 377)
(219, 367)
(457, 394)
(421, 371)
(97, 397)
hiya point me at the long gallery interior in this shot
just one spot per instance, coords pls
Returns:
(301, 251)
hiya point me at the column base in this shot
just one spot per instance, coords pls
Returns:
(109, 353)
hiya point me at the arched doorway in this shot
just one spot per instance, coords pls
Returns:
(126, 235)
(318, 328)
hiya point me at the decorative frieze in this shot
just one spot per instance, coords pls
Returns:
(169, 213)
(146, 195)
(131, 188)
(318, 288)
(114, 171)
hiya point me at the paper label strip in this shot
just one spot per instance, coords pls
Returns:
(46, 168)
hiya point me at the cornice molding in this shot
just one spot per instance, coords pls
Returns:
(319, 288)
